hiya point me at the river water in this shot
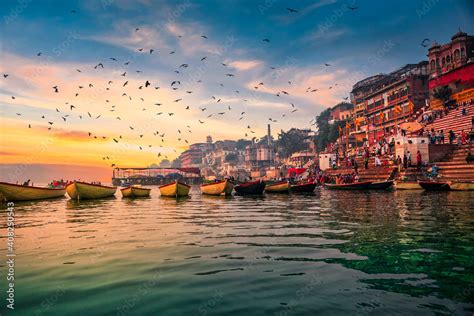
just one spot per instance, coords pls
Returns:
(327, 253)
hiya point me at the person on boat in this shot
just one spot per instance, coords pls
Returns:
(27, 182)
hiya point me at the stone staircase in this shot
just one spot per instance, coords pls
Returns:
(455, 167)
(373, 173)
(454, 121)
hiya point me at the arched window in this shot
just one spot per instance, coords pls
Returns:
(443, 62)
(437, 62)
(448, 59)
(462, 52)
(433, 65)
(456, 54)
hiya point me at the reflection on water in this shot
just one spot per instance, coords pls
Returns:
(323, 253)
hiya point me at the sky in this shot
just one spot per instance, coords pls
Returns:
(278, 66)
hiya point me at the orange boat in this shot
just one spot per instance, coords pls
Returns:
(223, 187)
(16, 192)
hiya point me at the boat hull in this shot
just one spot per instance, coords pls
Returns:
(250, 188)
(279, 187)
(382, 185)
(135, 192)
(434, 186)
(82, 190)
(400, 185)
(217, 188)
(305, 187)
(349, 186)
(175, 189)
(15, 192)
(462, 186)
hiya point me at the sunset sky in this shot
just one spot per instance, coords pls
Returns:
(44, 44)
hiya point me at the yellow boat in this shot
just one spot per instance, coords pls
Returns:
(16, 192)
(135, 191)
(403, 185)
(461, 186)
(81, 190)
(175, 189)
(217, 188)
(278, 187)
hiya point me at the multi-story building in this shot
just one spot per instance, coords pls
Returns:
(192, 158)
(385, 99)
(452, 66)
(260, 155)
(342, 111)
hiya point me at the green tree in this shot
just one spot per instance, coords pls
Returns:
(443, 93)
(292, 141)
(327, 133)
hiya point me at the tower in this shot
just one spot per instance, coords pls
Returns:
(269, 135)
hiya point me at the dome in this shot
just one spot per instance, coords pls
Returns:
(458, 34)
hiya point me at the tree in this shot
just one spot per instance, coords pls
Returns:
(176, 163)
(232, 157)
(165, 163)
(327, 133)
(443, 93)
(292, 141)
(242, 143)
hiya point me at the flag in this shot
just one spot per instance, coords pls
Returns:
(411, 106)
(398, 109)
(382, 116)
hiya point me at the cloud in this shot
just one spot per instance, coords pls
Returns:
(325, 34)
(242, 65)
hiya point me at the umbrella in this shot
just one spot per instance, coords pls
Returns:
(411, 126)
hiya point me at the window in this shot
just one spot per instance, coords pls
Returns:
(456, 55)
(448, 59)
(462, 52)
(433, 65)
(443, 62)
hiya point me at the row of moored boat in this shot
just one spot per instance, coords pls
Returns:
(82, 190)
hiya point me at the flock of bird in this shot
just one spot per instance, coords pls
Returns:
(120, 82)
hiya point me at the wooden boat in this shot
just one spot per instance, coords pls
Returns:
(406, 185)
(135, 191)
(434, 185)
(250, 188)
(223, 187)
(81, 190)
(278, 187)
(461, 186)
(175, 189)
(380, 185)
(303, 187)
(349, 186)
(16, 192)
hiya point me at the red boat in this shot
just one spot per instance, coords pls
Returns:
(434, 185)
(349, 186)
(250, 188)
(304, 187)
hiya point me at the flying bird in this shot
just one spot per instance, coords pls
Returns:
(291, 10)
